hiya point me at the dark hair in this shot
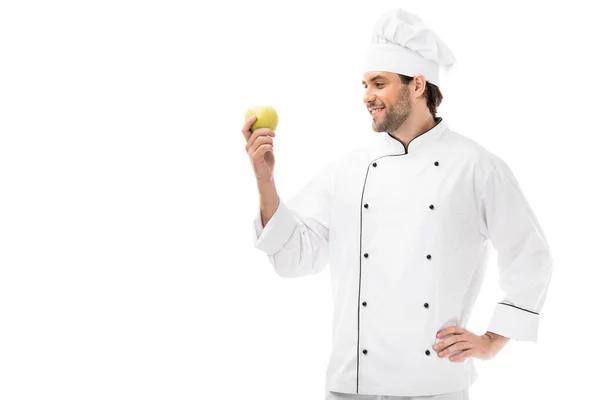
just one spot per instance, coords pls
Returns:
(432, 94)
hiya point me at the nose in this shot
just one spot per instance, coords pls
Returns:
(368, 97)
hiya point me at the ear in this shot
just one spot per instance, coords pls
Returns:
(419, 83)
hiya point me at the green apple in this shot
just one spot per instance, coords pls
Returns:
(266, 117)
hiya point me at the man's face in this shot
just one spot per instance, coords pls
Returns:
(385, 89)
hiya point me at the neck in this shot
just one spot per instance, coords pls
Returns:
(414, 125)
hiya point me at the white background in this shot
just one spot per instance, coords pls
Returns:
(127, 268)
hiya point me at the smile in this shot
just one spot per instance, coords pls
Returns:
(376, 112)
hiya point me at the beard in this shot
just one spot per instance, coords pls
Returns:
(394, 116)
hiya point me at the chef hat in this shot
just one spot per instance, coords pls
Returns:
(401, 43)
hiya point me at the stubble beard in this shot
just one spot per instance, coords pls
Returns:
(395, 116)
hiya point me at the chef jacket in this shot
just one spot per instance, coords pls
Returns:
(406, 232)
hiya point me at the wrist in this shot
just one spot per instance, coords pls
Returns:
(494, 337)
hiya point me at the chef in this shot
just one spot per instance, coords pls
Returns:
(405, 223)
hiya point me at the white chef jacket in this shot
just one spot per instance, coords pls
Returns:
(406, 233)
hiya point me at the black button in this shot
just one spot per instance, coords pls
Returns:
(429, 256)
(436, 163)
(427, 352)
(364, 303)
(365, 351)
(366, 206)
(366, 255)
(426, 305)
(431, 206)
(374, 164)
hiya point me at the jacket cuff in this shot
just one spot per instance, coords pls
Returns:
(272, 237)
(514, 322)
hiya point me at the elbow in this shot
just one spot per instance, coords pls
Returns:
(285, 272)
(293, 267)
(285, 265)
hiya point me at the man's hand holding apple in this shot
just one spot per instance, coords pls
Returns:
(259, 147)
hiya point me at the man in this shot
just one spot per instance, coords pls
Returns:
(405, 224)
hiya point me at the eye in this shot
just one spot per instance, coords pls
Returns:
(377, 84)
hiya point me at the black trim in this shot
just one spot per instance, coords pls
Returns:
(437, 121)
(360, 263)
(506, 304)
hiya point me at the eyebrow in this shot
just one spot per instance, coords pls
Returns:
(375, 78)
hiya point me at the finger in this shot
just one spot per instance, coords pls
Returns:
(258, 133)
(261, 151)
(450, 330)
(445, 344)
(462, 356)
(259, 141)
(246, 128)
(458, 346)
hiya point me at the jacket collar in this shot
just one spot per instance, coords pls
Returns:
(388, 144)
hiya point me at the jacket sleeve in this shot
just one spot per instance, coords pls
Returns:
(296, 237)
(524, 258)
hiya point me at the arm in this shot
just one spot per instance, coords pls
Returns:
(524, 257)
(269, 201)
(295, 237)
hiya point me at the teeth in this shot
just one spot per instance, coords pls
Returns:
(373, 111)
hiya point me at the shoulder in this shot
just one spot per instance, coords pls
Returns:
(470, 150)
(480, 161)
